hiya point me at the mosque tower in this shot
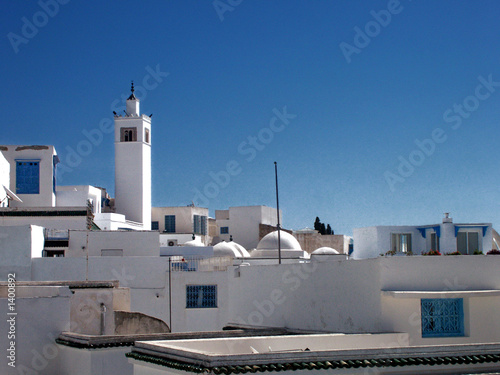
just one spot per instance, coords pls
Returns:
(133, 164)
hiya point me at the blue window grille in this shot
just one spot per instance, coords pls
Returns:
(155, 225)
(27, 176)
(442, 317)
(170, 223)
(224, 230)
(201, 296)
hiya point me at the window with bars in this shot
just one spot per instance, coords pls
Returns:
(224, 230)
(155, 225)
(201, 296)
(170, 223)
(442, 317)
(27, 176)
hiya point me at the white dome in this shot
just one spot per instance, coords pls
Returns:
(195, 242)
(241, 249)
(325, 251)
(270, 242)
(232, 249)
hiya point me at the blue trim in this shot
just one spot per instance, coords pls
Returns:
(437, 229)
(483, 227)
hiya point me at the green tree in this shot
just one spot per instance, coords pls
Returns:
(317, 224)
(323, 229)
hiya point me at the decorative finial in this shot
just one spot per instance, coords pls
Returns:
(231, 238)
(194, 237)
(132, 96)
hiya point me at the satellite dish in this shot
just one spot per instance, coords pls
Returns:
(11, 195)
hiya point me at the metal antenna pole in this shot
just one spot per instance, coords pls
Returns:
(278, 211)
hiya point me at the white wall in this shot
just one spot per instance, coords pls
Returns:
(104, 361)
(17, 246)
(46, 197)
(370, 242)
(4, 180)
(184, 222)
(244, 223)
(133, 171)
(49, 222)
(74, 196)
(131, 243)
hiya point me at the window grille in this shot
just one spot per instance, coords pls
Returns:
(442, 317)
(201, 296)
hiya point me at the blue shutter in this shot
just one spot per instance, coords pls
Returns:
(27, 177)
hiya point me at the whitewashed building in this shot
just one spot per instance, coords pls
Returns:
(243, 224)
(178, 224)
(447, 237)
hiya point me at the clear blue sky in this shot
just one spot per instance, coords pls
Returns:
(229, 69)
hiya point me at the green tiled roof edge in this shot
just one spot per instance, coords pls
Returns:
(94, 346)
(321, 365)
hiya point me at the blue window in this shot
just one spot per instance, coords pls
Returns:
(442, 317)
(155, 225)
(224, 230)
(170, 223)
(27, 176)
(201, 296)
(200, 224)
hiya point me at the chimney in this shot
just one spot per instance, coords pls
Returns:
(447, 218)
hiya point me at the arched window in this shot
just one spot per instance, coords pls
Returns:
(128, 134)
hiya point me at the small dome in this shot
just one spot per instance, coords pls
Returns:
(232, 249)
(196, 242)
(241, 249)
(270, 242)
(325, 251)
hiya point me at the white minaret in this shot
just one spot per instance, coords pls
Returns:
(133, 164)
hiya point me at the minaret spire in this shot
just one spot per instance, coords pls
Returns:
(132, 96)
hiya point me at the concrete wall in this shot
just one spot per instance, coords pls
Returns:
(310, 241)
(46, 197)
(103, 243)
(42, 313)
